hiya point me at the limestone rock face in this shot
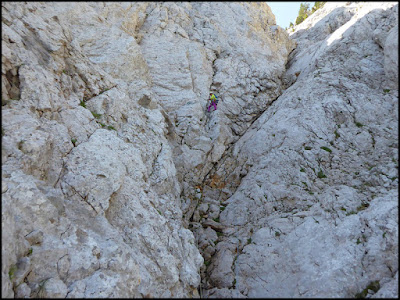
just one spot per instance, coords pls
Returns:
(309, 194)
(391, 48)
(90, 198)
(117, 182)
(93, 157)
(191, 49)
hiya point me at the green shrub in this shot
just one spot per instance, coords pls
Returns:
(83, 104)
(358, 124)
(318, 5)
(363, 206)
(12, 270)
(307, 148)
(326, 149)
(305, 11)
(373, 286)
(20, 144)
(302, 170)
(321, 174)
(97, 116)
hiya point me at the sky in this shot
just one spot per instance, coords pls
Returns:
(286, 12)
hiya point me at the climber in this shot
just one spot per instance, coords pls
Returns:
(214, 101)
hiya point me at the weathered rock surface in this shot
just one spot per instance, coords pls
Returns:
(91, 198)
(109, 156)
(310, 190)
(192, 48)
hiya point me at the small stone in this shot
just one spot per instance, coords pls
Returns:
(203, 208)
(214, 225)
(96, 252)
(23, 268)
(211, 234)
(214, 211)
(196, 216)
(4, 188)
(22, 291)
(54, 288)
(35, 237)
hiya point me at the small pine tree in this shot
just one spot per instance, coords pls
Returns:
(319, 4)
(304, 12)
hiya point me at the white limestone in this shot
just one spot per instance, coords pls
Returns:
(116, 181)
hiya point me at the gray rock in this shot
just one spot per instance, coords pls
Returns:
(35, 237)
(53, 288)
(392, 57)
(213, 224)
(22, 291)
(293, 182)
(203, 208)
(389, 289)
(23, 267)
(109, 154)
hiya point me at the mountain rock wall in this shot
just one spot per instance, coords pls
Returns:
(91, 203)
(314, 212)
(117, 182)
(103, 124)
